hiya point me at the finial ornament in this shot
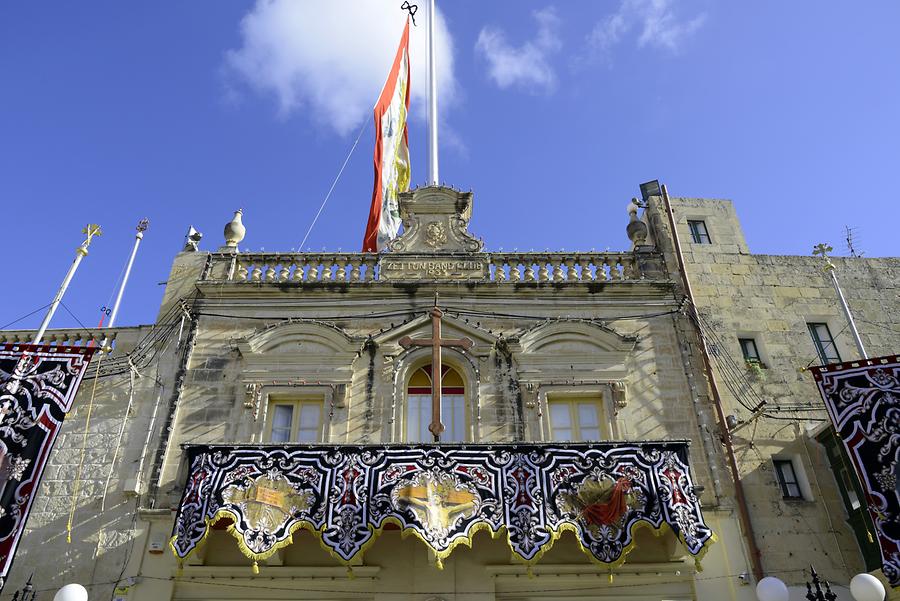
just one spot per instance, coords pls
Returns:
(822, 250)
(234, 232)
(636, 229)
(90, 230)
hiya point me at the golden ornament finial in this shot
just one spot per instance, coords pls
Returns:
(91, 230)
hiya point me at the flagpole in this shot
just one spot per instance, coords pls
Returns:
(141, 228)
(433, 177)
(823, 250)
(81, 252)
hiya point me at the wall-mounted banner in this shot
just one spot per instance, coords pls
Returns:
(443, 494)
(863, 400)
(37, 387)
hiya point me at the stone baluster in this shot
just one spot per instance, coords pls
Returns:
(242, 272)
(297, 277)
(608, 269)
(543, 274)
(585, 264)
(515, 272)
(529, 268)
(557, 269)
(354, 268)
(285, 272)
(370, 261)
(312, 274)
(617, 269)
(499, 272)
(341, 269)
(630, 268)
(571, 272)
(269, 272)
(256, 274)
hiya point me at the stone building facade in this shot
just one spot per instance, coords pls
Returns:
(251, 349)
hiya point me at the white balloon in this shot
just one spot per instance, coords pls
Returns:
(71, 592)
(772, 589)
(865, 587)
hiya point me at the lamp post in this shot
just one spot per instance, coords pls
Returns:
(818, 595)
(863, 587)
(71, 592)
(27, 592)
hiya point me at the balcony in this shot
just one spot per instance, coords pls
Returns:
(443, 494)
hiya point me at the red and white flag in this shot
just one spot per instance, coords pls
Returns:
(392, 174)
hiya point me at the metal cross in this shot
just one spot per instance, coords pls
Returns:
(436, 342)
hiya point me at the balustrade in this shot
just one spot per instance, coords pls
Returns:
(502, 268)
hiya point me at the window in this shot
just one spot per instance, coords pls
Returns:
(453, 406)
(575, 419)
(750, 351)
(295, 421)
(787, 478)
(847, 484)
(825, 347)
(698, 232)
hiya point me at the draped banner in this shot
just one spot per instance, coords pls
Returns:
(863, 400)
(443, 494)
(37, 387)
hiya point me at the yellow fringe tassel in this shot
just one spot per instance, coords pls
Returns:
(610, 577)
(87, 426)
(255, 567)
(529, 571)
(350, 573)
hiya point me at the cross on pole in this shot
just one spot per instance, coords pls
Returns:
(436, 343)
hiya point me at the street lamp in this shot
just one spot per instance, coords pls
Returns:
(27, 592)
(818, 595)
(772, 589)
(863, 587)
(71, 592)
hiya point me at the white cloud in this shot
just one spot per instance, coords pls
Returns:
(331, 58)
(654, 21)
(528, 65)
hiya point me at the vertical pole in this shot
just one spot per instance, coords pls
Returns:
(81, 252)
(823, 250)
(847, 313)
(433, 177)
(743, 510)
(436, 427)
(141, 228)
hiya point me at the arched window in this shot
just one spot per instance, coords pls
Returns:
(453, 406)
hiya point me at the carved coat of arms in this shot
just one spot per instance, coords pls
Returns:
(435, 234)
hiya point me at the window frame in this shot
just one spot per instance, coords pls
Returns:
(573, 404)
(601, 392)
(779, 463)
(467, 434)
(697, 236)
(820, 345)
(296, 403)
(756, 357)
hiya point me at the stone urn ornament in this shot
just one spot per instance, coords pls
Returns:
(234, 232)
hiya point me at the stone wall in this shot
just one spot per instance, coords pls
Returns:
(771, 298)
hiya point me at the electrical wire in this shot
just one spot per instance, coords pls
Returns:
(25, 316)
(603, 585)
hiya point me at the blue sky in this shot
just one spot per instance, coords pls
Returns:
(553, 113)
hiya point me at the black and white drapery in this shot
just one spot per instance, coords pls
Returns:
(37, 387)
(863, 401)
(443, 494)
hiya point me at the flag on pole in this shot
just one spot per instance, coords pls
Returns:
(392, 172)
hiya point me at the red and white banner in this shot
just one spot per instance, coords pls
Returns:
(37, 387)
(392, 173)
